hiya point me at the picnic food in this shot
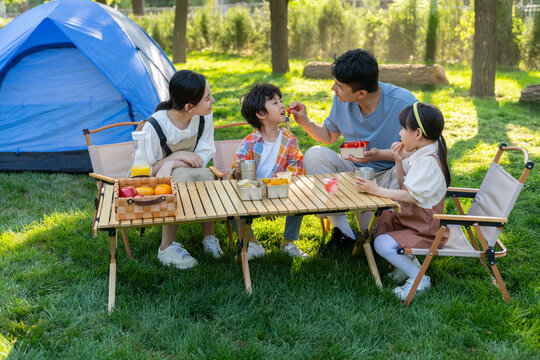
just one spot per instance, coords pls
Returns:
(144, 190)
(275, 181)
(355, 144)
(127, 191)
(163, 189)
(245, 184)
(140, 170)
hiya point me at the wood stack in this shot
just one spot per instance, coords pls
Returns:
(531, 93)
(401, 75)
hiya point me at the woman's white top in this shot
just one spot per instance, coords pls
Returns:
(205, 148)
(424, 178)
(268, 157)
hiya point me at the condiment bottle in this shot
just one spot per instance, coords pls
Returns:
(140, 166)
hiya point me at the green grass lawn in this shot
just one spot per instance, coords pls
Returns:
(54, 273)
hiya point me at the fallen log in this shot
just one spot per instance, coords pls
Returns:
(400, 75)
(531, 93)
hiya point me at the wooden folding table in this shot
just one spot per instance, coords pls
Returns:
(219, 200)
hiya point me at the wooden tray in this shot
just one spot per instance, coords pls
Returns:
(151, 206)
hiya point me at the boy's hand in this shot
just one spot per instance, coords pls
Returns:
(368, 186)
(397, 151)
(236, 171)
(299, 112)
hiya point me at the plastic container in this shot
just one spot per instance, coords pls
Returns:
(253, 193)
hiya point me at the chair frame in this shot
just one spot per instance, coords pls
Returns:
(487, 252)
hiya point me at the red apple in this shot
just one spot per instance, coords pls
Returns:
(127, 191)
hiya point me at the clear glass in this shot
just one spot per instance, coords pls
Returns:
(331, 185)
(140, 166)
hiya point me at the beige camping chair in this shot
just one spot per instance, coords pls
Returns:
(109, 162)
(488, 214)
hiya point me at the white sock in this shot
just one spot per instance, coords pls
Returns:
(386, 246)
(340, 221)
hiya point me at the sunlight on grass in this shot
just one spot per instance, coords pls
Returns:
(5, 347)
(527, 138)
(57, 222)
(473, 159)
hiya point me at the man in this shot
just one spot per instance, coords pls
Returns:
(362, 109)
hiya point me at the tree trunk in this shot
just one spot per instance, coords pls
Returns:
(279, 36)
(431, 38)
(507, 46)
(138, 7)
(102, 1)
(179, 33)
(484, 48)
(24, 6)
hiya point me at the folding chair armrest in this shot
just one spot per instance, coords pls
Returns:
(218, 174)
(469, 220)
(107, 179)
(461, 192)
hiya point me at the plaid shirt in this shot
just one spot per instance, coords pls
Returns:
(290, 158)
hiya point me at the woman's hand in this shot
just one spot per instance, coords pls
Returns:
(368, 186)
(190, 158)
(397, 151)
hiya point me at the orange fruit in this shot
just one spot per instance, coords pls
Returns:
(144, 190)
(163, 189)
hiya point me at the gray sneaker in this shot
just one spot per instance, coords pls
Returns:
(176, 255)
(211, 246)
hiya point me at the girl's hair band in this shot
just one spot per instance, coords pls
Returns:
(415, 108)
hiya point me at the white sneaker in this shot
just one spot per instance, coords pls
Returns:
(292, 250)
(398, 275)
(176, 255)
(403, 291)
(211, 246)
(255, 251)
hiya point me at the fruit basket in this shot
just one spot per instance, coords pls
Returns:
(147, 206)
(354, 148)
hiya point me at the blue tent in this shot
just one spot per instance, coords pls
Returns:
(69, 65)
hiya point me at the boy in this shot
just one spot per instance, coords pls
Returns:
(274, 149)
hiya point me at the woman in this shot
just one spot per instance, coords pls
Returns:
(187, 144)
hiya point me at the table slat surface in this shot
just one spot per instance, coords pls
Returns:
(203, 200)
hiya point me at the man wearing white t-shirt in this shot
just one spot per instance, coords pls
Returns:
(362, 109)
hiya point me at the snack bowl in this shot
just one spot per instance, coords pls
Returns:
(253, 192)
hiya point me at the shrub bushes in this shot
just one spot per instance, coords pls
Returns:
(322, 28)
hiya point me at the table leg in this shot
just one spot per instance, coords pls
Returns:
(245, 264)
(112, 269)
(367, 245)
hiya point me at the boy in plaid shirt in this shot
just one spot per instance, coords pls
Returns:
(275, 149)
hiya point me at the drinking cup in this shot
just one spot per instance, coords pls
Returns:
(247, 169)
(364, 172)
(331, 185)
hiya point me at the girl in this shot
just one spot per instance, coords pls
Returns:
(179, 143)
(423, 178)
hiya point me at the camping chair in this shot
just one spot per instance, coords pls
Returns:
(488, 214)
(113, 161)
(110, 162)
